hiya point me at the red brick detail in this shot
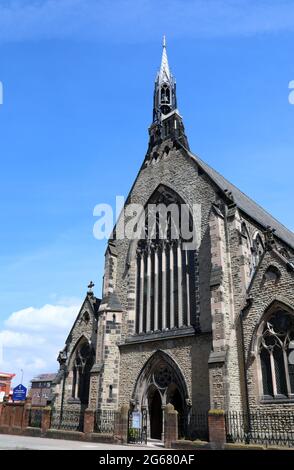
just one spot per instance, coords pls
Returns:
(89, 417)
(46, 419)
(217, 428)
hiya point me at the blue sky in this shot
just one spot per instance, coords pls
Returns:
(78, 81)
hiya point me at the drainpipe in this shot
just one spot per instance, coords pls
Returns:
(62, 395)
(245, 370)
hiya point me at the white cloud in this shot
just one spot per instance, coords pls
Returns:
(136, 20)
(32, 338)
(13, 339)
(53, 317)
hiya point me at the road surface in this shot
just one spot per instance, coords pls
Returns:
(9, 442)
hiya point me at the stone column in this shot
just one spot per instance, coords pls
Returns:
(187, 275)
(75, 381)
(156, 281)
(163, 254)
(141, 310)
(171, 273)
(46, 419)
(180, 287)
(170, 425)
(89, 418)
(78, 379)
(273, 370)
(217, 428)
(148, 303)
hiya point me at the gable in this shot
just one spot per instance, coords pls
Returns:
(274, 277)
(85, 321)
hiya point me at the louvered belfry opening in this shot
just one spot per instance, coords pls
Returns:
(165, 266)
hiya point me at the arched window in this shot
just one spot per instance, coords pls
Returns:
(165, 95)
(276, 360)
(245, 233)
(257, 249)
(272, 274)
(165, 294)
(82, 365)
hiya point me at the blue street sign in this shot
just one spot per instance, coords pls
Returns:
(19, 393)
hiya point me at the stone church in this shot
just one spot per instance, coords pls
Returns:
(207, 327)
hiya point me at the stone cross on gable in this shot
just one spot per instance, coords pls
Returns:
(90, 287)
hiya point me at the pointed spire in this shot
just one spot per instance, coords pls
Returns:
(165, 88)
(167, 122)
(164, 73)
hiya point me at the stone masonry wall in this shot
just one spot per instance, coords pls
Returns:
(190, 354)
(263, 294)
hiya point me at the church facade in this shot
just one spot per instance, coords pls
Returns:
(205, 325)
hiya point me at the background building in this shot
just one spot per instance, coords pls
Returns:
(41, 389)
(5, 383)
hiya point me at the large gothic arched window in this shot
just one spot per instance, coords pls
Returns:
(165, 293)
(276, 355)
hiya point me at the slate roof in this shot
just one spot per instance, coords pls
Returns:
(111, 302)
(44, 378)
(247, 205)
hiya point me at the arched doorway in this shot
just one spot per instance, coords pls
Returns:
(160, 382)
(155, 415)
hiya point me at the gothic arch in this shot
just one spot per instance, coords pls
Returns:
(82, 339)
(272, 273)
(79, 368)
(154, 376)
(273, 346)
(162, 264)
(153, 198)
(257, 249)
(278, 303)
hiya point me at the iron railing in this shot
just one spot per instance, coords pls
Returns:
(104, 421)
(35, 417)
(193, 426)
(69, 420)
(261, 427)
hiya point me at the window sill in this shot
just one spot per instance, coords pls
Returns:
(160, 335)
(74, 401)
(282, 399)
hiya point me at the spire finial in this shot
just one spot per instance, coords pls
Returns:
(164, 41)
(90, 288)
